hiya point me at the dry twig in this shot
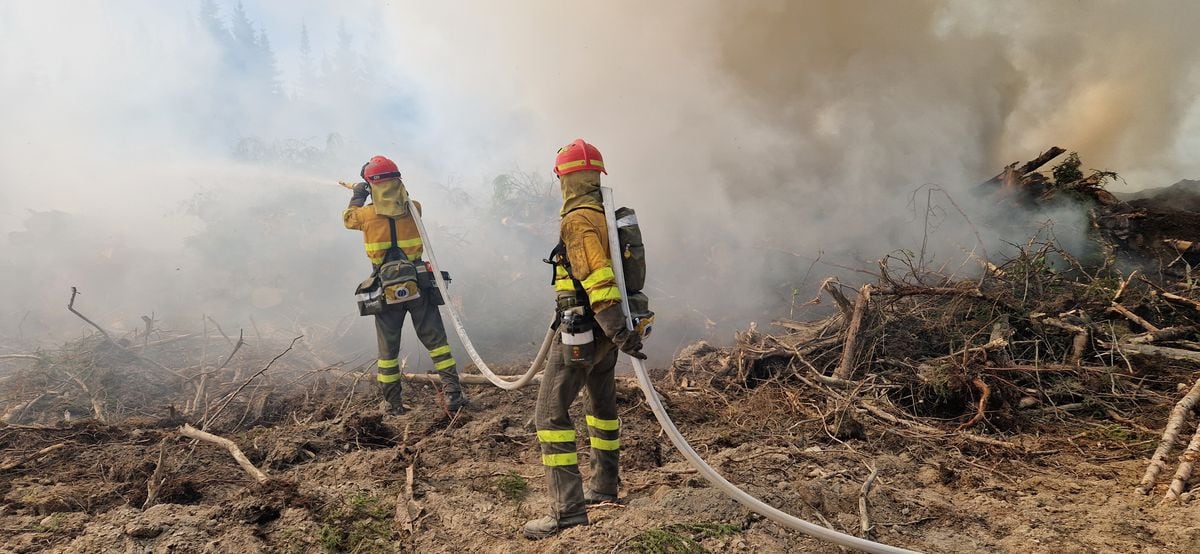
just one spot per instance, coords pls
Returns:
(884, 415)
(71, 307)
(202, 388)
(229, 398)
(155, 482)
(192, 432)
(407, 509)
(985, 393)
(864, 516)
(1133, 317)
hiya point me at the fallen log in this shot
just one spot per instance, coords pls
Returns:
(14, 414)
(40, 453)
(1029, 167)
(194, 433)
(1170, 333)
(1178, 299)
(1166, 352)
(1170, 435)
(1187, 461)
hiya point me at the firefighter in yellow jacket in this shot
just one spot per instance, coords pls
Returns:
(591, 329)
(390, 235)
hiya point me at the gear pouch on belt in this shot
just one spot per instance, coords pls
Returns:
(428, 285)
(398, 279)
(369, 296)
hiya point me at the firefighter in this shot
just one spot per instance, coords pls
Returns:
(391, 237)
(591, 329)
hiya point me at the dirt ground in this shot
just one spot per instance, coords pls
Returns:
(338, 472)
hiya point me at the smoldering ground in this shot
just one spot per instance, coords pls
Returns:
(180, 158)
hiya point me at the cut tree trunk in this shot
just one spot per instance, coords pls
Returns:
(1170, 435)
(1186, 461)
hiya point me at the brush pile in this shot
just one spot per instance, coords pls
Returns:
(1045, 334)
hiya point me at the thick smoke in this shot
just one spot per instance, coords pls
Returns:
(180, 157)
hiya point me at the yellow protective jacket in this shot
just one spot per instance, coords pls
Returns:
(377, 234)
(585, 235)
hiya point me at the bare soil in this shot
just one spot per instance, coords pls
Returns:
(338, 471)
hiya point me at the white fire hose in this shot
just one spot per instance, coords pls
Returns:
(660, 413)
(462, 332)
(681, 444)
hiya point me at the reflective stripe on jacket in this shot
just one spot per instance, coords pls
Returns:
(377, 235)
(585, 235)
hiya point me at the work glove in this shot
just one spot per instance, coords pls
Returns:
(612, 321)
(359, 195)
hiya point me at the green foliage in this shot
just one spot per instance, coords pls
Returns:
(679, 538)
(1068, 171)
(513, 487)
(362, 524)
(331, 538)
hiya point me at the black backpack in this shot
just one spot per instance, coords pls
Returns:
(633, 265)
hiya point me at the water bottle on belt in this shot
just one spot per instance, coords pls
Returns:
(577, 338)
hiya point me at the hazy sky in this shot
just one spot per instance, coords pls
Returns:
(752, 137)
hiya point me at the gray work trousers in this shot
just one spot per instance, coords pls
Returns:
(427, 322)
(556, 433)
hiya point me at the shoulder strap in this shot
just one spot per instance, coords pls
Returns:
(395, 244)
(556, 259)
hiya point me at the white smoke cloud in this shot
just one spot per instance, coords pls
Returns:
(752, 138)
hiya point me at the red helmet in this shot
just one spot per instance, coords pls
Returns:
(578, 156)
(378, 169)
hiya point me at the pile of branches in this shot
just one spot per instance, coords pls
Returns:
(1040, 333)
(209, 378)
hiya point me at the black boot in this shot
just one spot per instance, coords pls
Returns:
(456, 401)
